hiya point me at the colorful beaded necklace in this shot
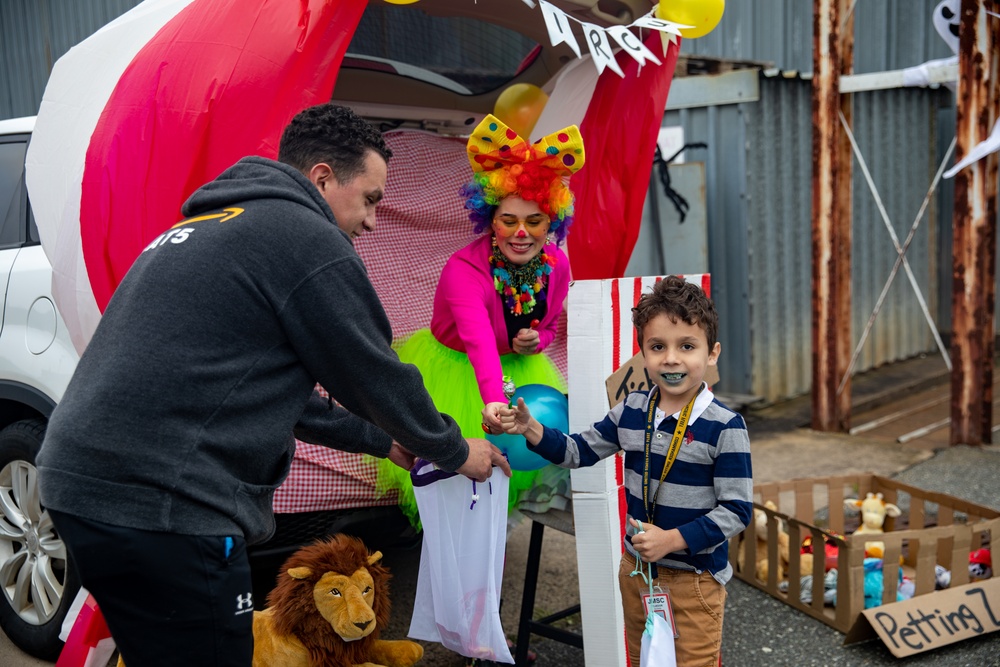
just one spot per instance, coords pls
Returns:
(520, 287)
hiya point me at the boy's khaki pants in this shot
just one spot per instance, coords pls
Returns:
(698, 602)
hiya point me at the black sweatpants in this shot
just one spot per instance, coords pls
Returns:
(168, 599)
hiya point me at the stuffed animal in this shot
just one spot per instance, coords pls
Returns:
(874, 509)
(328, 608)
(760, 531)
(331, 602)
(980, 565)
(763, 567)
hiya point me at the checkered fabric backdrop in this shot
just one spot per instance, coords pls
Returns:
(420, 223)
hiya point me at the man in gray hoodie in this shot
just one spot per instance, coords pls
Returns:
(160, 462)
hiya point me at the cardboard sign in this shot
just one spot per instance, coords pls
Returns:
(632, 376)
(930, 621)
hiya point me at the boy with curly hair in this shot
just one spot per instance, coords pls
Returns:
(688, 478)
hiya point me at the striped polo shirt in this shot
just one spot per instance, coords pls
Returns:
(707, 493)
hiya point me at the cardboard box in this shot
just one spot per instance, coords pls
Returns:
(934, 529)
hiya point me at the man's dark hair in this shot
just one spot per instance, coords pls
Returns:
(679, 300)
(332, 134)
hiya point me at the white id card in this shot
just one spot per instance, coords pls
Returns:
(659, 603)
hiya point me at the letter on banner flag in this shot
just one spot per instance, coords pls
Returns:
(558, 26)
(669, 31)
(631, 45)
(600, 48)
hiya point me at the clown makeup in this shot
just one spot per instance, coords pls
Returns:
(520, 228)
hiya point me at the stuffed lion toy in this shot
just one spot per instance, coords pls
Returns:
(331, 602)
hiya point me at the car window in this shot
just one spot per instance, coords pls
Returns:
(12, 230)
(465, 55)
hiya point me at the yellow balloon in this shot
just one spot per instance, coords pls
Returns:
(704, 15)
(519, 107)
(401, 2)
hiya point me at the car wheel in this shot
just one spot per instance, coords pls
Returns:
(35, 578)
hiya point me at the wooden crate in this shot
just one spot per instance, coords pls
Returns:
(935, 528)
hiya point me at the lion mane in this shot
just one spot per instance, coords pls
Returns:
(295, 611)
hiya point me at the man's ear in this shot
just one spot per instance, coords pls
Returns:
(713, 356)
(320, 175)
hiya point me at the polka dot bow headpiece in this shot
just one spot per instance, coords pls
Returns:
(493, 145)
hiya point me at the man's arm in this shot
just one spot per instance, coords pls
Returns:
(323, 422)
(339, 330)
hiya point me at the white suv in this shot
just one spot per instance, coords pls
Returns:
(37, 359)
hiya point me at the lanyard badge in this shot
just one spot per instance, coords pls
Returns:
(675, 446)
(657, 601)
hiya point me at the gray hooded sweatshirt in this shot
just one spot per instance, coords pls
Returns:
(180, 413)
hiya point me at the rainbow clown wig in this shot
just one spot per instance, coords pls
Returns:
(504, 164)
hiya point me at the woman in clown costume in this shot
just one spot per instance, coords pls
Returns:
(498, 301)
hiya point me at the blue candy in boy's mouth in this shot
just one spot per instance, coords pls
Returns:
(673, 378)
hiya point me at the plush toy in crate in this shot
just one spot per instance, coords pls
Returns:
(327, 610)
(874, 509)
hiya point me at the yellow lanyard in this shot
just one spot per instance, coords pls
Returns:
(675, 446)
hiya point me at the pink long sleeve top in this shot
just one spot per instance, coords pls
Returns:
(468, 313)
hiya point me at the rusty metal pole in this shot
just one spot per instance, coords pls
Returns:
(831, 225)
(974, 229)
(841, 292)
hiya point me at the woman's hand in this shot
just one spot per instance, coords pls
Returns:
(491, 417)
(525, 342)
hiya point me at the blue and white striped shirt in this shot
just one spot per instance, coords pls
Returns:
(707, 494)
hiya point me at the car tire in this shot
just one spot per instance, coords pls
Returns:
(37, 585)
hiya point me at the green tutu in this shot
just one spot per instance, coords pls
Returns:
(451, 382)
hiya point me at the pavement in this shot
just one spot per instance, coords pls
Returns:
(760, 631)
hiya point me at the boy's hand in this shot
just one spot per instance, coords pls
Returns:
(518, 421)
(653, 543)
(525, 342)
(515, 421)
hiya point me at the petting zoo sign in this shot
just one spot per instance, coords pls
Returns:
(927, 622)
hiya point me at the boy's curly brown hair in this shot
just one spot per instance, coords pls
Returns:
(680, 300)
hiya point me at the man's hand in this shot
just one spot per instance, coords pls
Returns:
(654, 543)
(401, 457)
(483, 455)
(525, 342)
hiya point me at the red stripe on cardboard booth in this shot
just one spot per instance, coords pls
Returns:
(616, 333)
(219, 81)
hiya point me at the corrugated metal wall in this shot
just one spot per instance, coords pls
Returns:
(758, 195)
(34, 34)
(723, 128)
(889, 34)
(779, 202)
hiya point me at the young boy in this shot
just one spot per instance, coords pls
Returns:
(680, 515)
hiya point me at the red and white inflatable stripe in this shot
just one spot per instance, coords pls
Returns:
(152, 106)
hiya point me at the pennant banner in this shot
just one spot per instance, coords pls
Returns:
(599, 40)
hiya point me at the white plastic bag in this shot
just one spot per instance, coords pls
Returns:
(461, 562)
(657, 643)
(657, 648)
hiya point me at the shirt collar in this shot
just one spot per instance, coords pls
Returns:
(701, 403)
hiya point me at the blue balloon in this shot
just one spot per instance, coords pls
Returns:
(549, 406)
